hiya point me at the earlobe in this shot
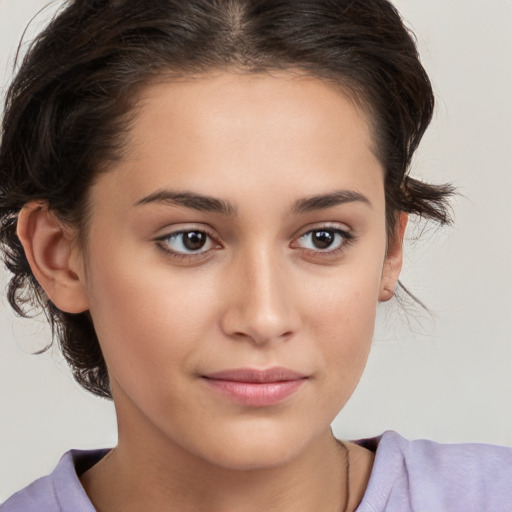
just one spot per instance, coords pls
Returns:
(393, 261)
(52, 256)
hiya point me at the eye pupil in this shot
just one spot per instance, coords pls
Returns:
(323, 239)
(194, 240)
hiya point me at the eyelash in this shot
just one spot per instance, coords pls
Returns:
(347, 238)
(163, 243)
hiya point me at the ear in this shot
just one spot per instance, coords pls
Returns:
(393, 261)
(53, 256)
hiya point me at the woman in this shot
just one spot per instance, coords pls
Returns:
(208, 200)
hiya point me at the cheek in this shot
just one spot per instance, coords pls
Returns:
(341, 318)
(347, 298)
(347, 328)
(145, 320)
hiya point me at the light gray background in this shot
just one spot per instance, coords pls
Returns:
(449, 377)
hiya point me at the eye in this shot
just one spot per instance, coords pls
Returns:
(323, 239)
(187, 242)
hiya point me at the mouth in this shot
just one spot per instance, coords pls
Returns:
(256, 388)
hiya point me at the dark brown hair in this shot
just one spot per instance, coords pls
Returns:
(69, 105)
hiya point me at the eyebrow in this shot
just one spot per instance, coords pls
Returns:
(324, 201)
(213, 205)
(189, 200)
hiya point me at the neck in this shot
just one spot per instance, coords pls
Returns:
(141, 477)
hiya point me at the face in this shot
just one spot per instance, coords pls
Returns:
(234, 263)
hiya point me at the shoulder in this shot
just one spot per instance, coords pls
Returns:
(39, 495)
(470, 459)
(423, 475)
(61, 491)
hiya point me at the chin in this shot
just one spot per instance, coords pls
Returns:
(254, 449)
(252, 458)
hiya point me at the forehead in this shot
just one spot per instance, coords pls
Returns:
(215, 132)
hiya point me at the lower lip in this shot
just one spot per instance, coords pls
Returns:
(256, 394)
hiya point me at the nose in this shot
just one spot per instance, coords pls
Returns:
(261, 307)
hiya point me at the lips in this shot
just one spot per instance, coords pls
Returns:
(256, 388)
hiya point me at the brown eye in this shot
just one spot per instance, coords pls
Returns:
(194, 240)
(323, 239)
(188, 242)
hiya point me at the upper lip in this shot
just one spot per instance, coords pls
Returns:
(275, 374)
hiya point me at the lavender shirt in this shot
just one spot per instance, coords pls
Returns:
(408, 476)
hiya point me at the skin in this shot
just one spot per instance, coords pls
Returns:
(260, 293)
